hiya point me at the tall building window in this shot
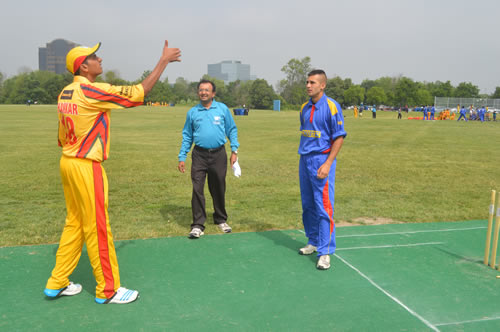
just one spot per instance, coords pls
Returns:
(53, 56)
(229, 71)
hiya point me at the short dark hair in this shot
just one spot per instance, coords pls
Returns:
(204, 82)
(317, 72)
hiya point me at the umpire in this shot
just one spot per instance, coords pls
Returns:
(207, 126)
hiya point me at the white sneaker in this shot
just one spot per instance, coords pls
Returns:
(307, 250)
(122, 296)
(195, 233)
(323, 262)
(71, 289)
(225, 227)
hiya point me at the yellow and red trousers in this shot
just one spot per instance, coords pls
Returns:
(86, 192)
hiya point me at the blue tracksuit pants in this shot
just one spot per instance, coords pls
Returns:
(462, 115)
(317, 202)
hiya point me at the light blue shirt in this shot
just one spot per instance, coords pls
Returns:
(208, 128)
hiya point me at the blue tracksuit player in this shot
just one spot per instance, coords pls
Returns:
(322, 135)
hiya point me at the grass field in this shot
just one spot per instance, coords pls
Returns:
(390, 170)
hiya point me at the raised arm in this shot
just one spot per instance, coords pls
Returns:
(168, 55)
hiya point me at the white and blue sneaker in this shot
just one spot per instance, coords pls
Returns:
(122, 296)
(323, 262)
(71, 289)
(225, 227)
(195, 233)
(307, 250)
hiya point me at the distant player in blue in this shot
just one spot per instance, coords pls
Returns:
(425, 113)
(433, 110)
(462, 114)
(482, 111)
(322, 136)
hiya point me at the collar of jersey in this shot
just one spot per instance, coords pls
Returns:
(81, 79)
(319, 102)
(203, 108)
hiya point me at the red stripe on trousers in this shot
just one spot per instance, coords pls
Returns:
(102, 231)
(327, 204)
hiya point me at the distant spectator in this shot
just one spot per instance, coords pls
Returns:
(374, 112)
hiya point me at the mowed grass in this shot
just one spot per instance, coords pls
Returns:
(395, 170)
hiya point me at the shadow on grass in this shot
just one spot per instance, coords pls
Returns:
(181, 215)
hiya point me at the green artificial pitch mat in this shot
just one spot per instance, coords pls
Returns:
(404, 277)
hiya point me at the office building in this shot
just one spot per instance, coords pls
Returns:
(53, 56)
(230, 71)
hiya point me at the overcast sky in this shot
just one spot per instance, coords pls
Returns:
(426, 40)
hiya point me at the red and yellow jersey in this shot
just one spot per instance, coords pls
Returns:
(84, 116)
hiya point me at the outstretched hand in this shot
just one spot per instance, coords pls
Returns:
(171, 54)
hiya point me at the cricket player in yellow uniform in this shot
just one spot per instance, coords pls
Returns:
(84, 110)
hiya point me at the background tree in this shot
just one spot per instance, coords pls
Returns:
(496, 94)
(423, 97)
(388, 84)
(161, 92)
(181, 90)
(336, 87)
(440, 89)
(404, 92)
(239, 92)
(1, 85)
(113, 77)
(376, 96)
(466, 90)
(355, 95)
(368, 84)
(261, 95)
(293, 87)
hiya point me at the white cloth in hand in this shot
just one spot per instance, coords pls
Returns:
(236, 169)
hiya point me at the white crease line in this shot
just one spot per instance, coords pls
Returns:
(468, 321)
(414, 232)
(413, 313)
(392, 246)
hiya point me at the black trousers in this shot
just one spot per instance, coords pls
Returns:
(213, 163)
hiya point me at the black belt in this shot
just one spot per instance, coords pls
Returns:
(209, 150)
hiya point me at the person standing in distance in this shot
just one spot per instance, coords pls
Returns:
(432, 111)
(322, 136)
(84, 110)
(208, 125)
(462, 114)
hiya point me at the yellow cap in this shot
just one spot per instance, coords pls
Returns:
(77, 55)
